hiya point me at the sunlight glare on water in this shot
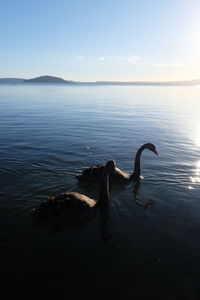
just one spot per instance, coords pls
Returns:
(196, 178)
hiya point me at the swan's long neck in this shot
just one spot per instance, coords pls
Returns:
(137, 170)
(104, 191)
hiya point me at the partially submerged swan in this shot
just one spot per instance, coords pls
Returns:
(94, 173)
(72, 207)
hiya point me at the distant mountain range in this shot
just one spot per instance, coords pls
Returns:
(11, 80)
(53, 79)
(40, 79)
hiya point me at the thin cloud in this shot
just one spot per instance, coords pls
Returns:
(168, 65)
(134, 59)
(128, 58)
(118, 58)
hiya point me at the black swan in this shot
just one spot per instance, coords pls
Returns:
(72, 207)
(94, 173)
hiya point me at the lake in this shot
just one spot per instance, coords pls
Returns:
(148, 246)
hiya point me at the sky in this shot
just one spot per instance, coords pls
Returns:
(88, 40)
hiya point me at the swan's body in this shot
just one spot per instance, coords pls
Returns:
(73, 207)
(94, 173)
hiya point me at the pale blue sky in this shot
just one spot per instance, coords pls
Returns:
(90, 40)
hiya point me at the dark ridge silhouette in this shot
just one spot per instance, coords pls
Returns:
(11, 80)
(48, 79)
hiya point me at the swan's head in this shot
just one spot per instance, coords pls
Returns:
(110, 166)
(152, 148)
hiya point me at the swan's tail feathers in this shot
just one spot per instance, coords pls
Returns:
(78, 176)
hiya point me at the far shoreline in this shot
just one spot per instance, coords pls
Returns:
(52, 80)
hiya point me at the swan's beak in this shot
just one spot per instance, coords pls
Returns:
(155, 151)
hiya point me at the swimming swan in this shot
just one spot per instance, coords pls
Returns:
(94, 173)
(73, 207)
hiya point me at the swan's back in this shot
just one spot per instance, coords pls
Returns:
(95, 173)
(71, 207)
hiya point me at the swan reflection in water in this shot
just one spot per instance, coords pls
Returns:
(145, 203)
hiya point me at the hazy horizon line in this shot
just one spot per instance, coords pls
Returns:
(103, 81)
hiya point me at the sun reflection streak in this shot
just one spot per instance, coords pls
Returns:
(196, 179)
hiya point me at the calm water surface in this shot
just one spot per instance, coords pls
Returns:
(148, 247)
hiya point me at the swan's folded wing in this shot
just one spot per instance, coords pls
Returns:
(82, 198)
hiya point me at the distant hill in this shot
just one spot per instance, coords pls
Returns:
(48, 79)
